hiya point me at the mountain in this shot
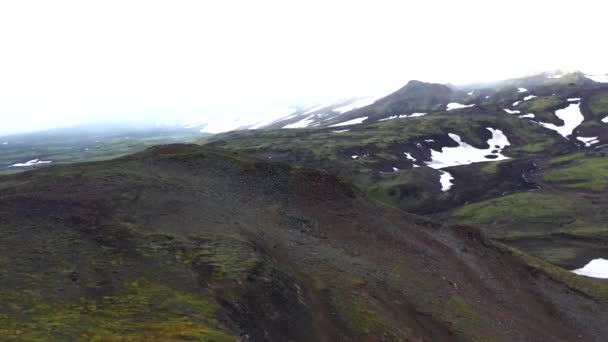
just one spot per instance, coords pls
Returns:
(183, 242)
(436, 213)
(532, 149)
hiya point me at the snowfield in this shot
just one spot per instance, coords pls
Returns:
(403, 116)
(302, 123)
(410, 158)
(465, 154)
(350, 122)
(571, 116)
(445, 179)
(31, 163)
(598, 78)
(596, 268)
(456, 105)
(588, 140)
(357, 104)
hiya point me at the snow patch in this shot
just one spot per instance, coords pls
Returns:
(522, 90)
(456, 105)
(465, 154)
(512, 111)
(410, 158)
(588, 140)
(571, 116)
(31, 163)
(395, 169)
(574, 99)
(355, 156)
(516, 103)
(357, 104)
(342, 131)
(316, 108)
(598, 78)
(445, 179)
(389, 118)
(529, 97)
(351, 122)
(605, 120)
(596, 268)
(529, 115)
(403, 116)
(274, 117)
(471, 93)
(302, 123)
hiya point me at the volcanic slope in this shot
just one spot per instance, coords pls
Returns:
(183, 242)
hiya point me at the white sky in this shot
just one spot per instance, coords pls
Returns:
(68, 62)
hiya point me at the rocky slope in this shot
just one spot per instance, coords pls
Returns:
(183, 242)
(475, 144)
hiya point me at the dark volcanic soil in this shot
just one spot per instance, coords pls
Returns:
(184, 242)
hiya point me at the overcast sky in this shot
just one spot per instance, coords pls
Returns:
(68, 62)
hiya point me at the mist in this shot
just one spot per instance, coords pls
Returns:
(73, 62)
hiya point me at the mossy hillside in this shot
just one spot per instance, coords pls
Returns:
(580, 173)
(542, 104)
(328, 145)
(492, 168)
(110, 295)
(520, 214)
(143, 310)
(69, 149)
(598, 104)
(590, 287)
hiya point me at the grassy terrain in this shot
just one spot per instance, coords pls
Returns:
(73, 146)
(193, 243)
(587, 172)
(598, 103)
(380, 147)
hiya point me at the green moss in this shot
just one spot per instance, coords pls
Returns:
(492, 167)
(576, 282)
(144, 310)
(230, 256)
(534, 147)
(528, 205)
(542, 104)
(599, 105)
(566, 159)
(590, 174)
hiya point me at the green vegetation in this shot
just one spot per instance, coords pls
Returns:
(492, 167)
(527, 205)
(542, 104)
(76, 147)
(575, 282)
(598, 104)
(144, 310)
(588, 174)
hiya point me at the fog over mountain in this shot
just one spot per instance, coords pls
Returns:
(69, 62)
